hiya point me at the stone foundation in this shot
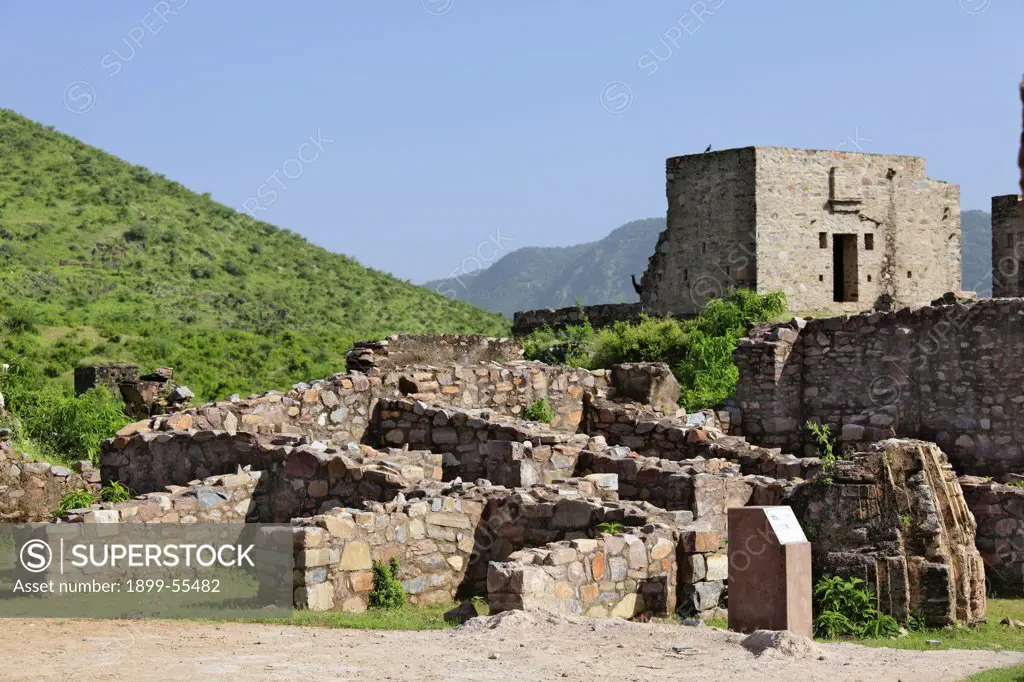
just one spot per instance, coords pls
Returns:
(999, 512)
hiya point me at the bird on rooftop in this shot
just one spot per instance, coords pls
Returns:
(636, 287)
(708, 149)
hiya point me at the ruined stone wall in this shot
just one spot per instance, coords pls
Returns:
(896, 518)
(480, 445)
(999, 512)
(618, 576)
(411, 350)
(299, 478)
(217, 499)
(1007, 246)
(767, 218)
(104, 375)
(603, 315)
(704, 489)
(709, 243)
(949, 374)
(338, 410)
(30, 491)
(431, 539)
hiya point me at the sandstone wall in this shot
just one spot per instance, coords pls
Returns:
(604, 315)
(1007, 246)
(412, 350)
(709, 243)
(218, 499)
(949, 374)
(431, 539)
(896, 518)
(612, 576)
(480, 445)
(299, 478)
(999, 512)
(31, 491)
(704, 489)
(766, 218)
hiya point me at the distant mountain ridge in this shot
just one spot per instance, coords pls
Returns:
(555, 277)
(598, 272)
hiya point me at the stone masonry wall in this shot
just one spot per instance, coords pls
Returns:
(431, 539)
(413, 350)
(999, 512)
(1007, 246)
(30, 491)
(480, 445)
(767, 218)
(300, 478)
(896, 517)
(603, 315)
(337, 410)
(618, 576)
(948, 374)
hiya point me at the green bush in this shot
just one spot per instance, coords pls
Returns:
(844, 609)
(78, 499)
(540, 410)
(699, 350)
(54, 423)
(825, 443)
(115, 492)
(388, 592)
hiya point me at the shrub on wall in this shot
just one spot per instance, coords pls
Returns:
(540, 410)
(699, 350)
(388, 592)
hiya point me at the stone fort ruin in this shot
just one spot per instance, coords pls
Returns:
(421, 452)
(836, 231)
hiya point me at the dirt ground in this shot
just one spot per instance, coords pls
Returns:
(512, 646)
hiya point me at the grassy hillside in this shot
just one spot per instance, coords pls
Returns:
(103, 260)
(554, 277)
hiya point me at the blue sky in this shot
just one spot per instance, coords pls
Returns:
(447, 127)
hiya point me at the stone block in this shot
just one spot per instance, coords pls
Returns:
(319, 597)
(717, 567)
(356, 557)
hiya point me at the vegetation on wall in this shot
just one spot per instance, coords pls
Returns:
(699, 350)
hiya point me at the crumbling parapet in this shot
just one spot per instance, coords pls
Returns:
(409, 350)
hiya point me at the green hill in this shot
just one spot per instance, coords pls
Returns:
(555, 277)
(103, 260)
(598, 272)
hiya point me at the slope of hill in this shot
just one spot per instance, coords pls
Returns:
(598, 272)
(103, 260)
(555, 277)
(976, 251)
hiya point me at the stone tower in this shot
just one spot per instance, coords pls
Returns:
(836, 231)
(1007, 247)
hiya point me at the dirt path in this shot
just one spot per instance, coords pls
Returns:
(515, 646)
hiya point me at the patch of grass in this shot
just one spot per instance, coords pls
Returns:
(77, 499)
(1012, 674)
(990, 635)
(406, 617)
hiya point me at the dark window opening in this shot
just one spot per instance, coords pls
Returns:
(822, 240)
(821, 278)
(844, 267)
(703, 247)
(1009, 239)
(686, 275)
(909, 274)
(869, 242)
(869, 278)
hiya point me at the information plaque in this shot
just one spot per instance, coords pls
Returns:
(769, 571)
